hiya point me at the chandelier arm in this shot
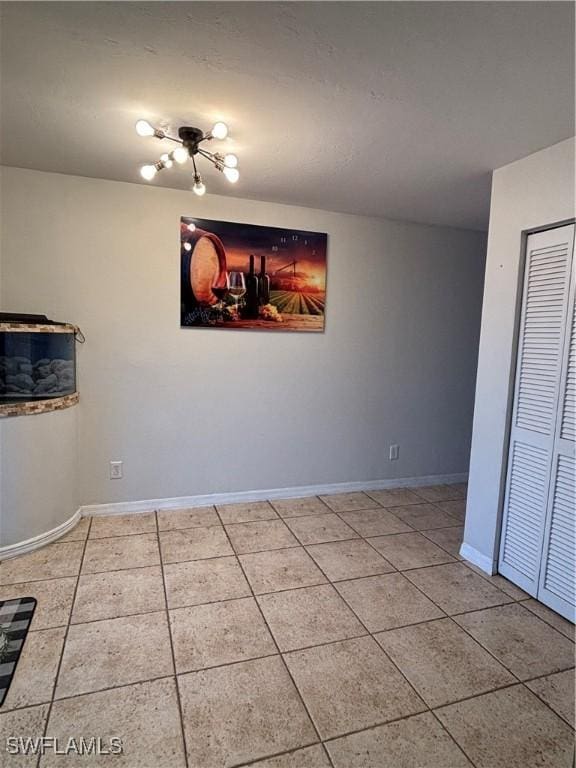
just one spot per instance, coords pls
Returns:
(172, 138)
(194, 164)
(207, 155)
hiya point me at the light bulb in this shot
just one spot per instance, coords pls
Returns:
(219, 130)
(199, 188)
(148, 172)
(187, 247)
(230, 161)
(232, 174)
(143, 128)
(191, 227)
(165, 159)
(180, 155)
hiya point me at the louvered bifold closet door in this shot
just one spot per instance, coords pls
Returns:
(558, 572)
(536, 398)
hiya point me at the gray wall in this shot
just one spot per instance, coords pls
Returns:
(531, 193)
(194, 411)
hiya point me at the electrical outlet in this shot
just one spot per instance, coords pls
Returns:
(116, 470)
(394, 452)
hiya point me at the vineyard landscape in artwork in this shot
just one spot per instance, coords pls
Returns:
(243, 276)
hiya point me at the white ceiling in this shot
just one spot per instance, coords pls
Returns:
(392, 109)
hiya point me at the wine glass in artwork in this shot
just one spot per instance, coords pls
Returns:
(236, 287)
(220, 289)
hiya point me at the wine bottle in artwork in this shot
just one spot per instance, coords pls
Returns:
(263, 283)
(251, 296)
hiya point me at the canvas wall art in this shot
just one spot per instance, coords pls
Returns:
(243, 276)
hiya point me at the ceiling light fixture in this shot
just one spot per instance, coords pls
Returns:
(190, 140)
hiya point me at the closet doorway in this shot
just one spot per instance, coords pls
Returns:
(537, 546)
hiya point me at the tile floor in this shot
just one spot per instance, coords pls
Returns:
(339, 631)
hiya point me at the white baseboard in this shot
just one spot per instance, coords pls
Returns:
(485, 564)
(23, 547)
(207, 500)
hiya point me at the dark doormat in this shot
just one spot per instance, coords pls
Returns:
(15, 618)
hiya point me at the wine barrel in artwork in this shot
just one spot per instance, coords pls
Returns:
(203, 265)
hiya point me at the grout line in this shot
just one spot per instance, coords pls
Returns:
(167, 614)
(151, 533)
(548, 674)
(277, 646)
(279, 754)
(65, 640)
(525, 600)
(447, 732)
(91, 693)
(186, 672)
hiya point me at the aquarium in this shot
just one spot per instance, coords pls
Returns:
(37, 362)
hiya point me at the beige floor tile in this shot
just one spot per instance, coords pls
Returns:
(194, 544)
(455, 508)
(104, 526)
(247, 512)
(506, 586)
(316, 529)
(281, 569)
(499, 581)
(219, 633)
(348, 559)
(310, 505)
(438, 492)
(557, 691)
(394, 497)
(410, 550)
(348, 502)
(416, 742)
(387, 601)
(145, 716)
(204, 581)
(309, 616)
(118, 593)
(520, 640)
(114, 652)
(78, 533)
(53, 600)
(260, 536)
(552, 618)
(423, 517)
(442, 662)
(510, 728)
(375, 522)
(460, 488)
(33, 681)
(456, 589)
(450, 539)
(121, 552)
(191, 517)
(351, 685)
(50, 562)
(309, 757)
(22, 724)
(242, 712)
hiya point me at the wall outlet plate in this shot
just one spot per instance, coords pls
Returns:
(116, 470)
(394, 452)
